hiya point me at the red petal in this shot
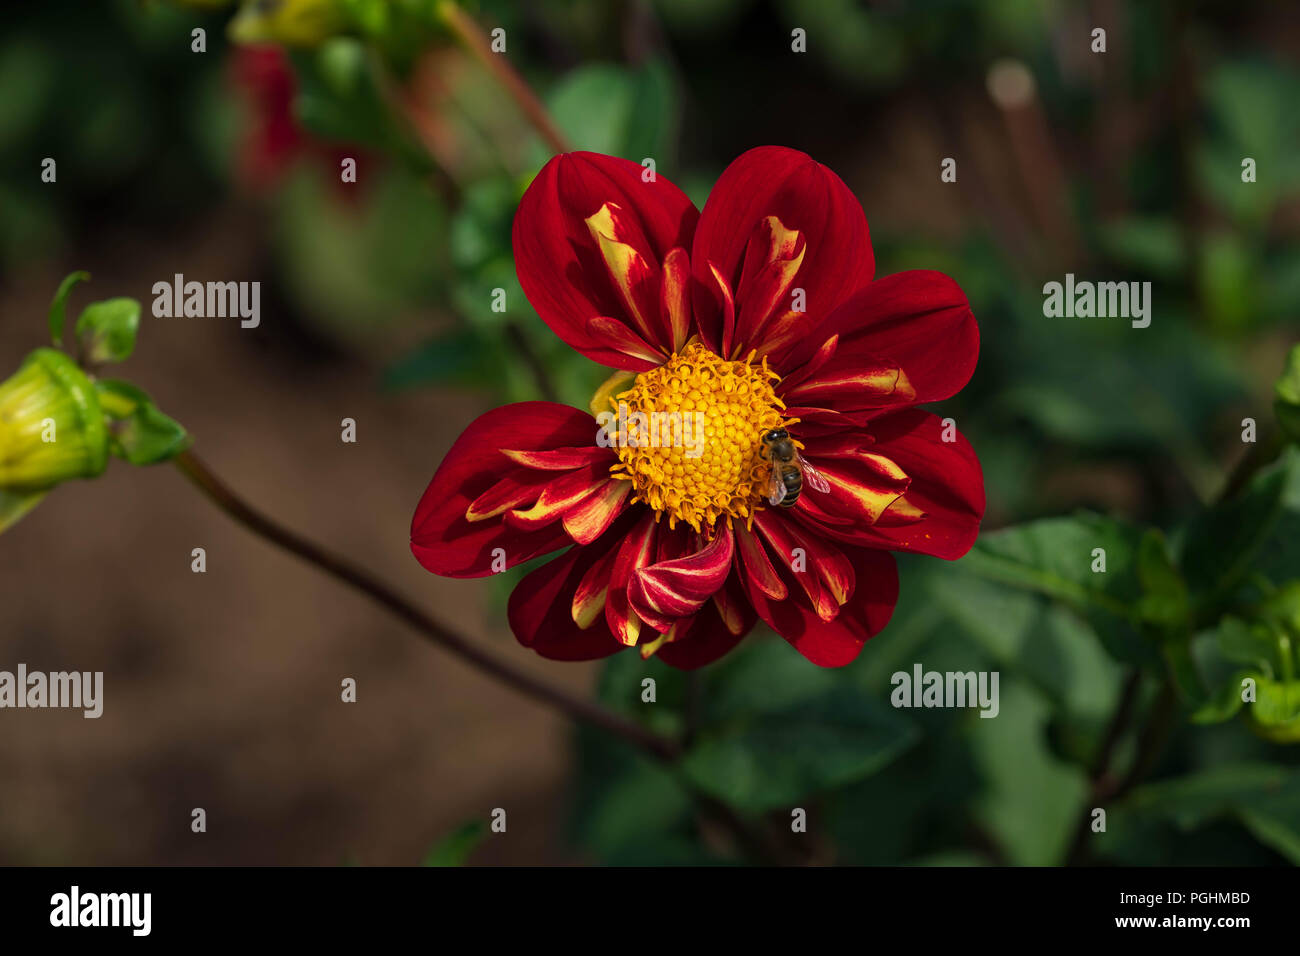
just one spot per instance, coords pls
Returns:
(636, 550)
(854, 388)
(441, 537)
(666, 591)
(863, 483)
(712, 634)
(917, 321)
(837, 642)
(539, 609)
(825, 574)
(590, 518)
(560, 263)
(819, 421)
(756, 566)
(947, 485)
(558, 459)
(675, 297)
(805, 197)
(562, 493)
(632, 351)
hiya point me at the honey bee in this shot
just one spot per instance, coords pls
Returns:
(789, 469)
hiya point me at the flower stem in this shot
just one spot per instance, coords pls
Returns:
(471, 36)
(225, 499)
(1107, 786)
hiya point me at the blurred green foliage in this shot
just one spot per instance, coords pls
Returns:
(1092, 435)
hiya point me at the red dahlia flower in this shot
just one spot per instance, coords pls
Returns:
(758, 313)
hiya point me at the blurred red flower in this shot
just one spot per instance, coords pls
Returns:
(272, 139)
(761, 312)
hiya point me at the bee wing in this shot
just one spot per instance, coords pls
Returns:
(815, 479)
(775, 486)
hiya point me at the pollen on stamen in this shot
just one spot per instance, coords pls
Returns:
(689, 436)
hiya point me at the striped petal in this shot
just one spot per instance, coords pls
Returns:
(636, 550)
(819, 567)
(838, 641)
(863, 483)
(675, 297)
(761, 200)
(590, 237)
(944, 504)
(757, 566)
(460, 529)
(849, 389)
(918, 322)
(591, 516)
(713, 632)
(558, 497)
(539, 609)
(666, 591)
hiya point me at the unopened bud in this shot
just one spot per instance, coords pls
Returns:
(51, 425)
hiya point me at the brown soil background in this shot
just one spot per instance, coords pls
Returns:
(222, 690)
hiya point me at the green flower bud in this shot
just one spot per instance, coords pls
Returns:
(296, 23)
(51, 425)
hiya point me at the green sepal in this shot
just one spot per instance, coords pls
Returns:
(13, 505)
(1248, 642)
(1225, 702)
(59, 305)
(1275, 714)
(138, 432)
(80, 392)
(106, 330)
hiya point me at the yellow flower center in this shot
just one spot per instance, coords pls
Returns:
(689, 435)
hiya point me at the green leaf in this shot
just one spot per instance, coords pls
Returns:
(1165, 602)
(59, 305)
(1056, 557)
(1031, 798)
(1245, 643)
(1263, 798)
(1224, 703)
(773, 759)
(138, 432)
(1044, 643)
(1287, 395)
(1278, 555)
(455, 848)
(643, 800)
(1182, 668)
(627, 809)
(612, 109)
(106, 330)
(1220, 544)
(1151, 244)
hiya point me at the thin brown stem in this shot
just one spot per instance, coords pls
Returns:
(472, 37)
(225, 499)
(1106, 785)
